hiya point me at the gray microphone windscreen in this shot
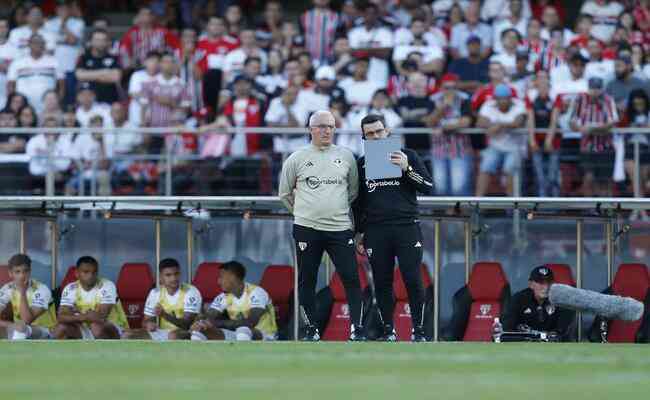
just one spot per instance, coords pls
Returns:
(608, 306)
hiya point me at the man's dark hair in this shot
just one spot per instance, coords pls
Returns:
(99, 30)
(167, 54)
(557, 29)
(236, 268)
(417, 19)
(252, 59)
(18, 260)
(292, 59)
(87, 260)
(153, 53)
(584, 16)
(371, 119)
(370, 5)
(507, 31)
(168, 263)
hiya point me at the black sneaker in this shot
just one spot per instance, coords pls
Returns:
(311, 334)
(418, 335)
(389, 335)
(358, 334)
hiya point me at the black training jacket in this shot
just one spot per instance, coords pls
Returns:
(391, 201)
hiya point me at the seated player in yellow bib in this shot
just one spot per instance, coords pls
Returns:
(89, 307)
(171, 309)
(30, 302)
(242, 312)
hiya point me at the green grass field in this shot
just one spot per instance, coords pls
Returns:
(183, 370)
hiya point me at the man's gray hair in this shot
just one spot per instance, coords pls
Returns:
(319, 113)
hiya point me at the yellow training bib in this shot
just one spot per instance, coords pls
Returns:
(177, 310)
(116, 315)
(241, 310)
(46, 320)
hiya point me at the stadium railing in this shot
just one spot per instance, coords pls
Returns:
(168, 159)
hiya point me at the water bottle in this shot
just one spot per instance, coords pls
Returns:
(497, 330)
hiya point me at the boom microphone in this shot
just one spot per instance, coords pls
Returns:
(608, 306)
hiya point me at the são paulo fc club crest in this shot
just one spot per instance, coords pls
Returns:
(369, 251)
(133, 309)
(485, 309)
(302, 246)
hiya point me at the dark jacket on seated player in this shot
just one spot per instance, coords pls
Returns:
(531, 309)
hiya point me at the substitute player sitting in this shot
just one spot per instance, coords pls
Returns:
(30, 303)
(171, 309)
(89, 307)
(242, 312)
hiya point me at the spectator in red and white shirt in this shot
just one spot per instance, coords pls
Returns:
(318, 26)
(533, 41)
(144, 37)
(497, 74)
(35, 74)
(166, 99)
(555, 53)
(190, 72)
(641, 15)
(594, 115)
(245, 110)
(215, 44)
(550, 21)
(452, 151)
(605, 16)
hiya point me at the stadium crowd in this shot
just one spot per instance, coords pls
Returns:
(445, 65)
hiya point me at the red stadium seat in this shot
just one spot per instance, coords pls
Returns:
(631, 280)
(402, 310)
(7, 313)
(69, 277)
(486, 285)
(479, 302)
(133, 285)
(562, 274)
(277, 280)
(4, 275)
(338, 324)
(206, 280)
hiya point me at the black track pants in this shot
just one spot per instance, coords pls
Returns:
(383, 244)
(310, 244)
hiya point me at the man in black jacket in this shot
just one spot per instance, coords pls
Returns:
(531, 309)
(386, 217)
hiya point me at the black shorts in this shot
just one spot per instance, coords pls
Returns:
(600, 165)
(644, 153)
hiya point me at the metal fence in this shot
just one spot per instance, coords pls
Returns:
(167, 159)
